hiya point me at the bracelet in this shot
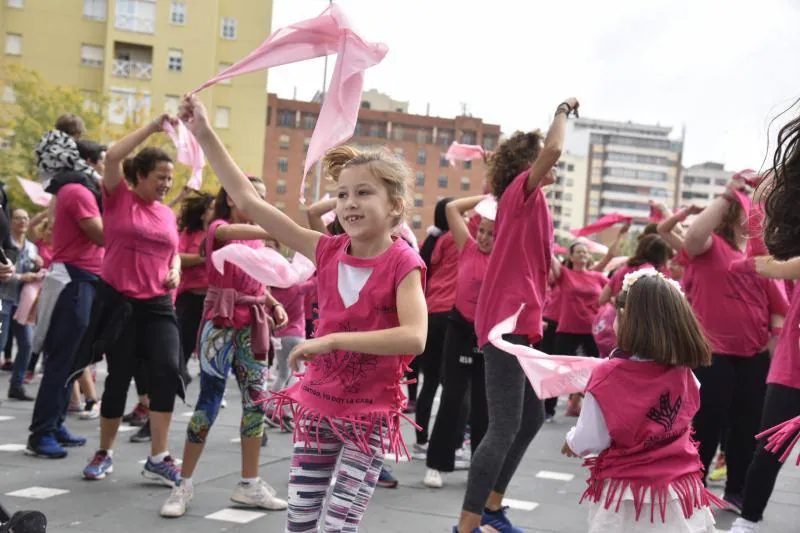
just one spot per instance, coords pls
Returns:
(561, 110)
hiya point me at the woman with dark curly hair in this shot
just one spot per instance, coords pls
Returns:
(739, 312)
(782, 400)
(515, 283)
(197, 211)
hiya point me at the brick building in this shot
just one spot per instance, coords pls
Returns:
(421, 140)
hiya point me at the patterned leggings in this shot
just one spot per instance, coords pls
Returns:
(310, 475)
(220, 350)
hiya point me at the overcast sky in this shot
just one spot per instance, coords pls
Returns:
(721, 68)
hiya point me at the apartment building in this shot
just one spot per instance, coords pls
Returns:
(700, 184)
(144, 54)
(567, 196)
(421, 140)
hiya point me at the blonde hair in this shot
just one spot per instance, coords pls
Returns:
(383, 164)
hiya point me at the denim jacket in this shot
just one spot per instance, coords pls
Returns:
(10, 289)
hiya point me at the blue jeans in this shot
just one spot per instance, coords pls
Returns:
(24, 336)
(69, 322)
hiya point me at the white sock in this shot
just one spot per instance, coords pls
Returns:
(249, 480)
(187, 481)
(159, 458)
(109, 453)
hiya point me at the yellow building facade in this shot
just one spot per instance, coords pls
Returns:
(144, 54)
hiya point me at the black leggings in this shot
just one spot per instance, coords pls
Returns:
(731, 396)
(189, 310)
(149, 345)
(431, 366)
(782, 403)
(548, 346)
(463, 370)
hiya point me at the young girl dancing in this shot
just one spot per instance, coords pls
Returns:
(648, 475)
(463, 360)
(372, 321)
(234, 336)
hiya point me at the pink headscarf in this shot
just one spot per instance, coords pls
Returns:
(464, 152)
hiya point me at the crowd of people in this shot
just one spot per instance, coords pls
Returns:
(691, 327)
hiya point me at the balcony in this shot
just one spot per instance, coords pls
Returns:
(137, 70)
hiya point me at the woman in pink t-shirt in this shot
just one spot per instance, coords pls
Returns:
(373, 320)
(462, 358)
(197, 211)
(737, 311)
(234, 338)
(133, 315)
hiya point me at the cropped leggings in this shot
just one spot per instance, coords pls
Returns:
(223, 349)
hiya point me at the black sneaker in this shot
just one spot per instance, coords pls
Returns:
(18, 393)
(143, 435)
(264, 440)
(25, 522)
(734, 502)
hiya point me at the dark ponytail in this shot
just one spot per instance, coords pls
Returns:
(143, 163)
(440, 222)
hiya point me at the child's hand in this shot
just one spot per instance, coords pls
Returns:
(566, 450)
(308, 350)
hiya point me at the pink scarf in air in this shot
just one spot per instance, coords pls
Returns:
(464, 152)
(550, 375)
(487, 208)
(35, 192)
(189, 152)
(602, 223)
(329, 33)
(265, 264)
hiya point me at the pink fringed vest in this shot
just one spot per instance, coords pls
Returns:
(355, 393)
(648, 408)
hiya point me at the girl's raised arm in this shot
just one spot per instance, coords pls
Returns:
(316, 211)
(553, 145)
(455, 218)
(244, 195)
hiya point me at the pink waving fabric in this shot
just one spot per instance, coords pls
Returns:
(487, 208)
(265, 264)
(594, 247)
(35, 192)
(329, 33)
(550, 375)
(464, 152)
(189, 152)
(602, 223)
(558, 249)
(784, 434)
(406, 233)
(26, 309)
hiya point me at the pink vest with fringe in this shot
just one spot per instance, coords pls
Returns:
(355, 393)
(648, 408)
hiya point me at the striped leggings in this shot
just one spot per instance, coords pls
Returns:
(312, 468)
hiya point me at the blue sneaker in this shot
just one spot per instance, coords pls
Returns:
(167, 472)
(45, 446)
(99, 467)
(474, 530)
(499, 521)
(67, 439)
(386, 479)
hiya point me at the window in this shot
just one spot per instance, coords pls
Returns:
(468, 137)
(222, 67)
(721, 182)
(423, 136)
(136, 15)
(177, 13)
(467, 165)
(569, 182)
(418, 200)
(442, 182)
(94, 9)
(8, 95)
(92, 56)
(175, 60)
(465, 184)
(306, 144)
(489, 142)
(280, 187)
(283, 142)
(397, 133)
(637, 158)
(171, 103)
(416, 222)
(422, 157)
(283, 164)
(420, 179)
(570, 167)
(286, 119)
(13, 44)
(222, 118)
(309, 122)
(228, 28)
(280, 206)
(125, 105)
(443, 162)
(445, 137)
(16, 3)
(400, 153)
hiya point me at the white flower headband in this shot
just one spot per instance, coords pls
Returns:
(633, 277)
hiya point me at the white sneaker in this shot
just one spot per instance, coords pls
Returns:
(179, 498)
(463, 458)
(259, 494)
(224, 403)
(91, 414)
(419, 451)
(744, 526)
(433, 479)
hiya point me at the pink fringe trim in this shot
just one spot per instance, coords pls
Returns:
(784, 434)
(689, 488)
(355, 429)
